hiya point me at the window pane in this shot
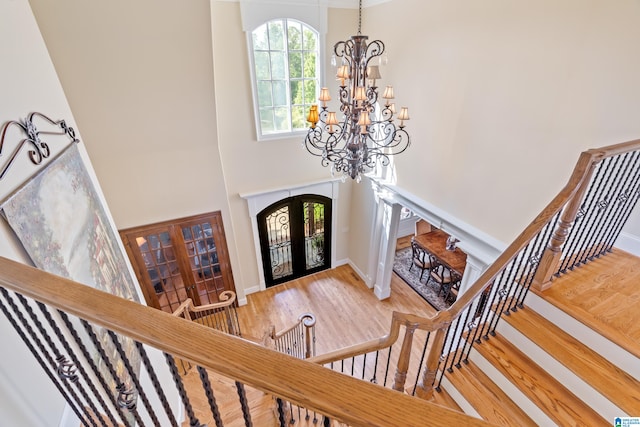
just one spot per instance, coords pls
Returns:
(310, 40)
(296, 91)
(281, 119)
(264, 94)
(295, 35)
(260, 41)
(299, 117)
(263, 67)
(286, 70)
(278, 62)
(295, 65)
(280, 93)
(309, 64)
(266, 120)
(309, 91)
(276, 35)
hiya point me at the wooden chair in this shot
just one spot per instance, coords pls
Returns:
(420, 258)
(448, 281)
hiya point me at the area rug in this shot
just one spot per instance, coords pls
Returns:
(428, 290)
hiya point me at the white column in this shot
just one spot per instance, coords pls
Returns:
(474, 268)
(388, 235)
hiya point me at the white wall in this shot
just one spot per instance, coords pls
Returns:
(504, 95)
(252, 166)
(28, 83)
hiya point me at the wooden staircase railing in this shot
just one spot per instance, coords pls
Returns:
(603, 189)
(337, 396)
(601, 193)
(221, 316)
(298, 340)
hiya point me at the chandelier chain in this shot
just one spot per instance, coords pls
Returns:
(360, 17)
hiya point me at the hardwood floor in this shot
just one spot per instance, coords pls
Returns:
(602, 294)
(347, 313)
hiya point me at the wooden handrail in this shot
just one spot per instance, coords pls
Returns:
(308, 318)
(347, 399)
(440, 320)
(226, 299)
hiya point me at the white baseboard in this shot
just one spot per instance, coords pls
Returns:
(628, 243)
(367, 280)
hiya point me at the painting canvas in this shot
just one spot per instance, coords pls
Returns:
(64, 228)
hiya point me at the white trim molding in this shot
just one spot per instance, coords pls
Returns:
(628, 243)
(259, 200)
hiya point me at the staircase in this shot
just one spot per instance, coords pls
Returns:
(547, 367)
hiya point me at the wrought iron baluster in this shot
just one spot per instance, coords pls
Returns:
(120, 386)
(94, 368)
(463, 325)
(364, 365)
(61, 359)
(600, 214)
(495, 300)
(419, 370)
(572, 255)
(244, 404)
(193, 421)
(156, 384)
(134, 378)
(280, 406)
(579, 221)
(442, 363)
(211, 399)
(615, 191)
(76, 361)
(542, 243)
(375, 369)
(626, 197)
(68, 395)
(386, 369)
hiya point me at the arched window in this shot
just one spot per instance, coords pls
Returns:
(285, 73)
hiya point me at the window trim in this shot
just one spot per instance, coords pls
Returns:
(320, 72)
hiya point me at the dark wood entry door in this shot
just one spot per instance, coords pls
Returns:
(295, 237)
(179, 259)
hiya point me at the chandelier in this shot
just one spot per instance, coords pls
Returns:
(366, 133)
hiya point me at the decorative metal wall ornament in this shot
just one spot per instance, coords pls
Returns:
(367, 134)
(39, 149)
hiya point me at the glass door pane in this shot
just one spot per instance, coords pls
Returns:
(204, 261)
(279, 242)
(313, 234)
(162, 270)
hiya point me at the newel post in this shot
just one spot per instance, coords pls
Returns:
(552, 254)
(403, 359)
(424, 390)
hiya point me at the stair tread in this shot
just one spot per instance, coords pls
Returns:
(491, 403)
(608, 379)
(555, 400)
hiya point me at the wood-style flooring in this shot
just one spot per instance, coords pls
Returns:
(605, 295)
(601, 294)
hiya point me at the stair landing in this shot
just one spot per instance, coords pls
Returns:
(604, 295)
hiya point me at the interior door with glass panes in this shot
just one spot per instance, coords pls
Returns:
(199, 238)
(156, 251)
(179, 259)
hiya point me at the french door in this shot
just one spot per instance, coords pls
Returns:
(295, 237)
(179, 259)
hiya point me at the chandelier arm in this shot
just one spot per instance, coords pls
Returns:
(373, 50)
